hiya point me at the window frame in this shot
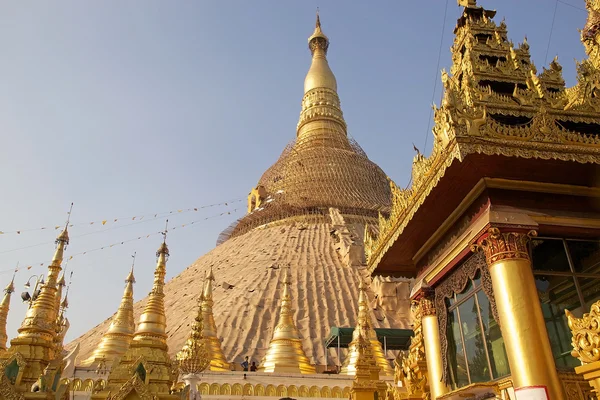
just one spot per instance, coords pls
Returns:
(477, 287)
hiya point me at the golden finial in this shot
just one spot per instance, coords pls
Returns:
(117, 338)
(467, 3)
(4, 308)
(285, 352)
(318, 40)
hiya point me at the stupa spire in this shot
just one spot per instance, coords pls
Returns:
(4, 308)
(117, 338)
(218, 362)
(364, 327)
(321, 101)
(147, 359)
(36, 339)
(285, 353)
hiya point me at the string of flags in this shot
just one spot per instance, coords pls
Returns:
(109, 221)
(109, 246)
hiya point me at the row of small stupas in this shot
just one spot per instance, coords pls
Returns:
(138, 357)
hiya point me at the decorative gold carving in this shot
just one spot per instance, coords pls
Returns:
(456, 282)
(193, 358)
(134, 384)
(586, 334)
(498, 246)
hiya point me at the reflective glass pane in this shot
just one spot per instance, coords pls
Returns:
(465, 292)
(456, 357)
(479, 368)
(590, 288)
(585, 255)
(477, 279)
(549, 255)
(556, 294)
(493, 336)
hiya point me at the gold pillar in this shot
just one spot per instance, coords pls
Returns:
(433, 349)
(521, 319)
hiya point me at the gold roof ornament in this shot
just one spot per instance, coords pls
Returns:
(37, 336)
(467, 3)
(148, 354)
(364, 327)
(285, 353)
(218, 362)
(4, 308)
(586, 334)
(116, 339)
(319, 75)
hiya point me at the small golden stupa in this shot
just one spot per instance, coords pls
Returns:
(218, 362)
(364, 327)
(117, 338)
(146, 366)
(285, 353)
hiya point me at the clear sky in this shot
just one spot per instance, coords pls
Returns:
(131, 108)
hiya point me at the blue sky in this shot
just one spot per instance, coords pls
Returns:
(130, 108)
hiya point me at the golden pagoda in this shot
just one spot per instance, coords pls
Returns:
(194, 358)
(36, 342)
(218, 362)
(317, 198)
(4, 308)
(116, 339)
(285, 353)
(366, 372)
(364, 327)
(146, 366)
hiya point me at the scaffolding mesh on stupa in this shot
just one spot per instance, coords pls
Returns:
(320, 169)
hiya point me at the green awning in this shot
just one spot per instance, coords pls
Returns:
(394, 339)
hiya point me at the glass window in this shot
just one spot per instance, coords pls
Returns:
(549, 255)
(493, 335)
(475, 345)
(564, 276)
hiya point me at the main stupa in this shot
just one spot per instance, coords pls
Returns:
(308, 212)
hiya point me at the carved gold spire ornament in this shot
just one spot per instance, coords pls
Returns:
(146, 362)
(218, 362)
(117, 338)
(285, 353)
(364, 327)
(193, 358)
(4, 308)
(37, 336)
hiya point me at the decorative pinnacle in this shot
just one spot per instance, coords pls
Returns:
(130, 277)
(318, 40)
(467, 3)
(64, 235)
(163, 249)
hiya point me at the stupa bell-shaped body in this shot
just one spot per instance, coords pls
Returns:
(218, 362)
(285, 353)
(117, 338)
(364, 328)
